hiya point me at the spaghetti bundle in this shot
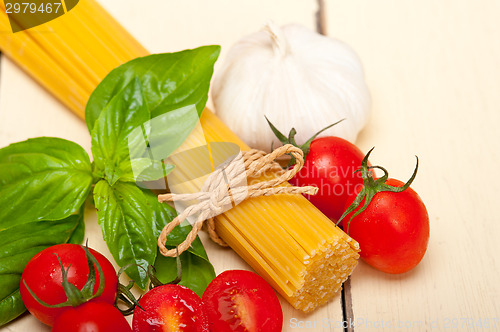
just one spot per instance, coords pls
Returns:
(71, 54)
(289, 242)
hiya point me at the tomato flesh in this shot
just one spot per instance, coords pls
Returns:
(237, 310)
(43, 276)
(330, 166)
(240, 300)
(170, 308)
(393, 231)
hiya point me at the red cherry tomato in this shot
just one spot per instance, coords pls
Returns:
(240, 300)
(393, 231)
(170, 308)
(330, 166)
(43, 276)
(91, 316)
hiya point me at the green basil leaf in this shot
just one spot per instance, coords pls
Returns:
(126, 111)
(178, 235)
(164, 214)
(170, 81)
(154, 141)
(42, 178)
(18, 244)
(78, 234)
(145, 169)
(198, 249)
(138, 115)
(197, 272)
(128, 226)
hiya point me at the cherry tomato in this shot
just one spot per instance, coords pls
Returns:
(238, 300)
(393, 231)
(43, 276)
(330, 166)
(170, 308)
(91, 316)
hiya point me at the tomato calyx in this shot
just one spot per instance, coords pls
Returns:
(155, 282)
(371, 187)
(75, 296)
(124, 294)
(306, 147)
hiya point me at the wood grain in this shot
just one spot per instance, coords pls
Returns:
(434, 73)
(27, 110)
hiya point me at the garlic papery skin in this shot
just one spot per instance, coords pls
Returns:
(298, 79)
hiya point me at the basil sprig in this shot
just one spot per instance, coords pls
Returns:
(45, 181)
(117, 115)
(170, 81)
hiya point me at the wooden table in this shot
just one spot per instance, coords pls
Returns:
(433, 68)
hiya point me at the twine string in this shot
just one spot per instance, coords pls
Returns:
(218, 193)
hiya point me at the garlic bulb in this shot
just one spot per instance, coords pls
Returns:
(295, 77)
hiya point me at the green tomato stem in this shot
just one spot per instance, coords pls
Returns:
(75, 296)
(306, 147)
(371, 187)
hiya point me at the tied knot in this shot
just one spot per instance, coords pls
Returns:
(227, 186)
(215, 197)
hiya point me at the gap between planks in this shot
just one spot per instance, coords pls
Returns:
(347, 313)
(321, 18)
(346, 298)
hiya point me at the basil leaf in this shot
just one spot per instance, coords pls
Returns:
(78, 234)
(128, 227)
(170, 81)
(145, 169)
(164, 214)
(126, 111)
(18, 244)
(197, 271)
(128, 146)
(138, 115)
(153, 142)
(42, 178)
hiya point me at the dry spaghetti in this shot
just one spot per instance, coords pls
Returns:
(217, 193)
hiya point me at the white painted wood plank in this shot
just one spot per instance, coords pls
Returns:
(434, 71)
(26, 110)
(170, 25)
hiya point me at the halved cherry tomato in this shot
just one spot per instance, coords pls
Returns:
(239, 300)
(43, 276)
(170, 308)
(91, 316)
